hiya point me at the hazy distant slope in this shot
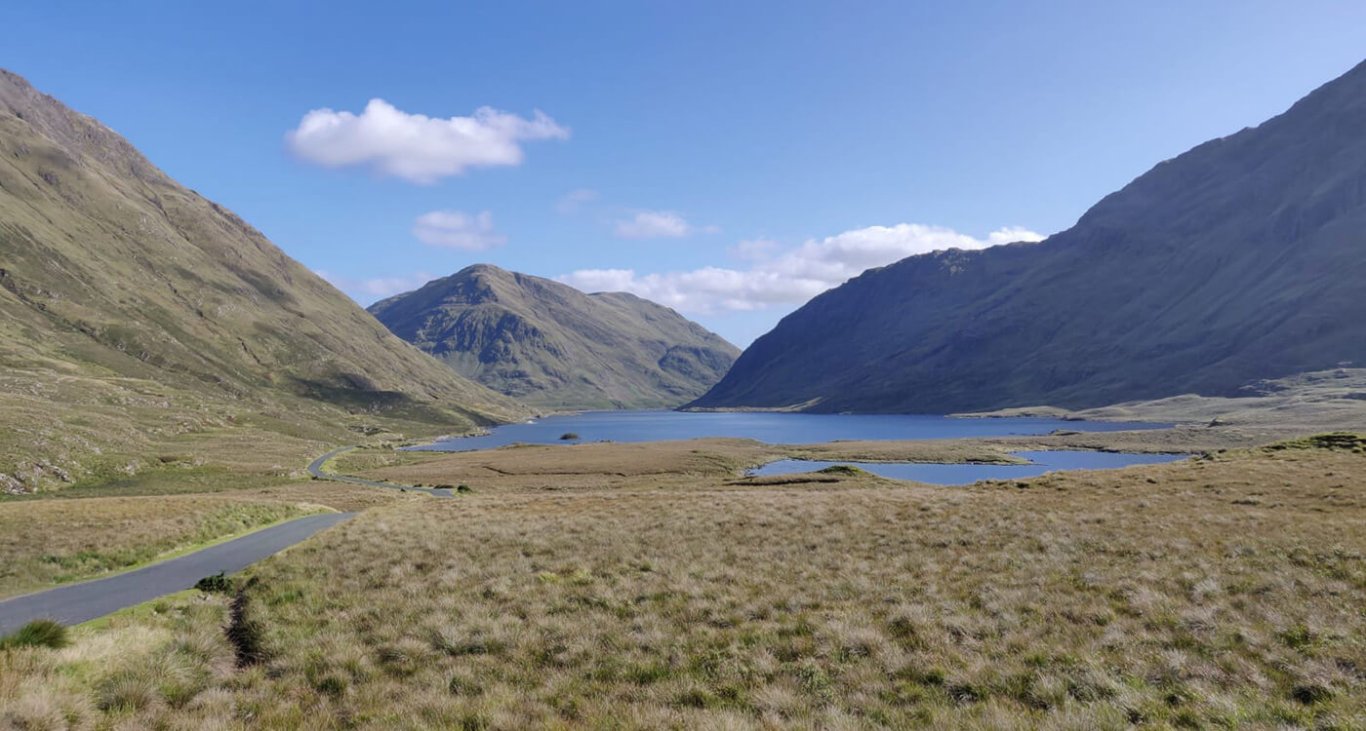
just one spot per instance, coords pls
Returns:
(120, 289)
(551, 345)
(1243, 258)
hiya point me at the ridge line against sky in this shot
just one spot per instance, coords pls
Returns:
(729, 160)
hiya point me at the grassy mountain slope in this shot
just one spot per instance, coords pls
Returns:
(1242, 259)
(135, 313)
(553, 346)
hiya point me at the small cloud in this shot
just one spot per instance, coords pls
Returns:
(458, 230)
(653, 225)
(1012, 234)
(415, 147)
(754, 249)
(571, 202)
(370, 290)
(602, 280)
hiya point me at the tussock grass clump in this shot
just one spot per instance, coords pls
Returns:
(124, 676)
(126, 691)
(38, 633)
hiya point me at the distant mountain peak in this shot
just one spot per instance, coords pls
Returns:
(485, 270)
(553, 346)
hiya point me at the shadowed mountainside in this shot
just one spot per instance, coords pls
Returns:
(550, 345)
(133, 312)
(1242, 259)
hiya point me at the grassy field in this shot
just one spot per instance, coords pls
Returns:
(82, 533)
(1222, 591)
(63, 432)
(54, 541)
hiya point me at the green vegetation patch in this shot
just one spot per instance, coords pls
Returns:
(218, 583)
(847, 470)
(38, 633)
(1345, 441)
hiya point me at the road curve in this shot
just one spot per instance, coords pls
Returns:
(316, 469)
(76, 603)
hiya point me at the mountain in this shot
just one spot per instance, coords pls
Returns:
(550, 345)
(134, 311)
(1242, 259)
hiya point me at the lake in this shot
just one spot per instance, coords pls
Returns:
(772, 428)
(966, 474)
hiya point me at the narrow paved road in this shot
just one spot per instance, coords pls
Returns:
(76, 603)
(316, 469)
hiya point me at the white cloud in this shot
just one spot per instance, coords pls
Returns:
(572, 201)
(791, 277)
(416, 147)
(366, 291)
(754, 249)
(458, 230)
(653, 225)
(1012, 234)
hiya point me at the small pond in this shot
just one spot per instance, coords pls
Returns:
(966, 474)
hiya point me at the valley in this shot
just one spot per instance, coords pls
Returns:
(979, 478)
(568, 584)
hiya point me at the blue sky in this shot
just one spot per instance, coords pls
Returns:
(729, 159)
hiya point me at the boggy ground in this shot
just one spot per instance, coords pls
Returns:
(1225, 590)
(610, 464)
(680, 463)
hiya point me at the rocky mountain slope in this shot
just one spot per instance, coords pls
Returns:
(135, 314)
(550, 345)
(1244, 258)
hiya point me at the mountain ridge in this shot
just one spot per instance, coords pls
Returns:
(119, 287)
(1234, 261)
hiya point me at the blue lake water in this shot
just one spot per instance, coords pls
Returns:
(648, 426)
(966, 474)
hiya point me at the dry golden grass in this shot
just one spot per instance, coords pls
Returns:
(336, 495)
(52, 541)
(1223, 592)
(47, 542)
(564, 467)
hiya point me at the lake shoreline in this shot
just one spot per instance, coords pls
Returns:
(768, 427)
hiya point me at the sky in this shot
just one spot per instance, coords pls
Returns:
(727, 159)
